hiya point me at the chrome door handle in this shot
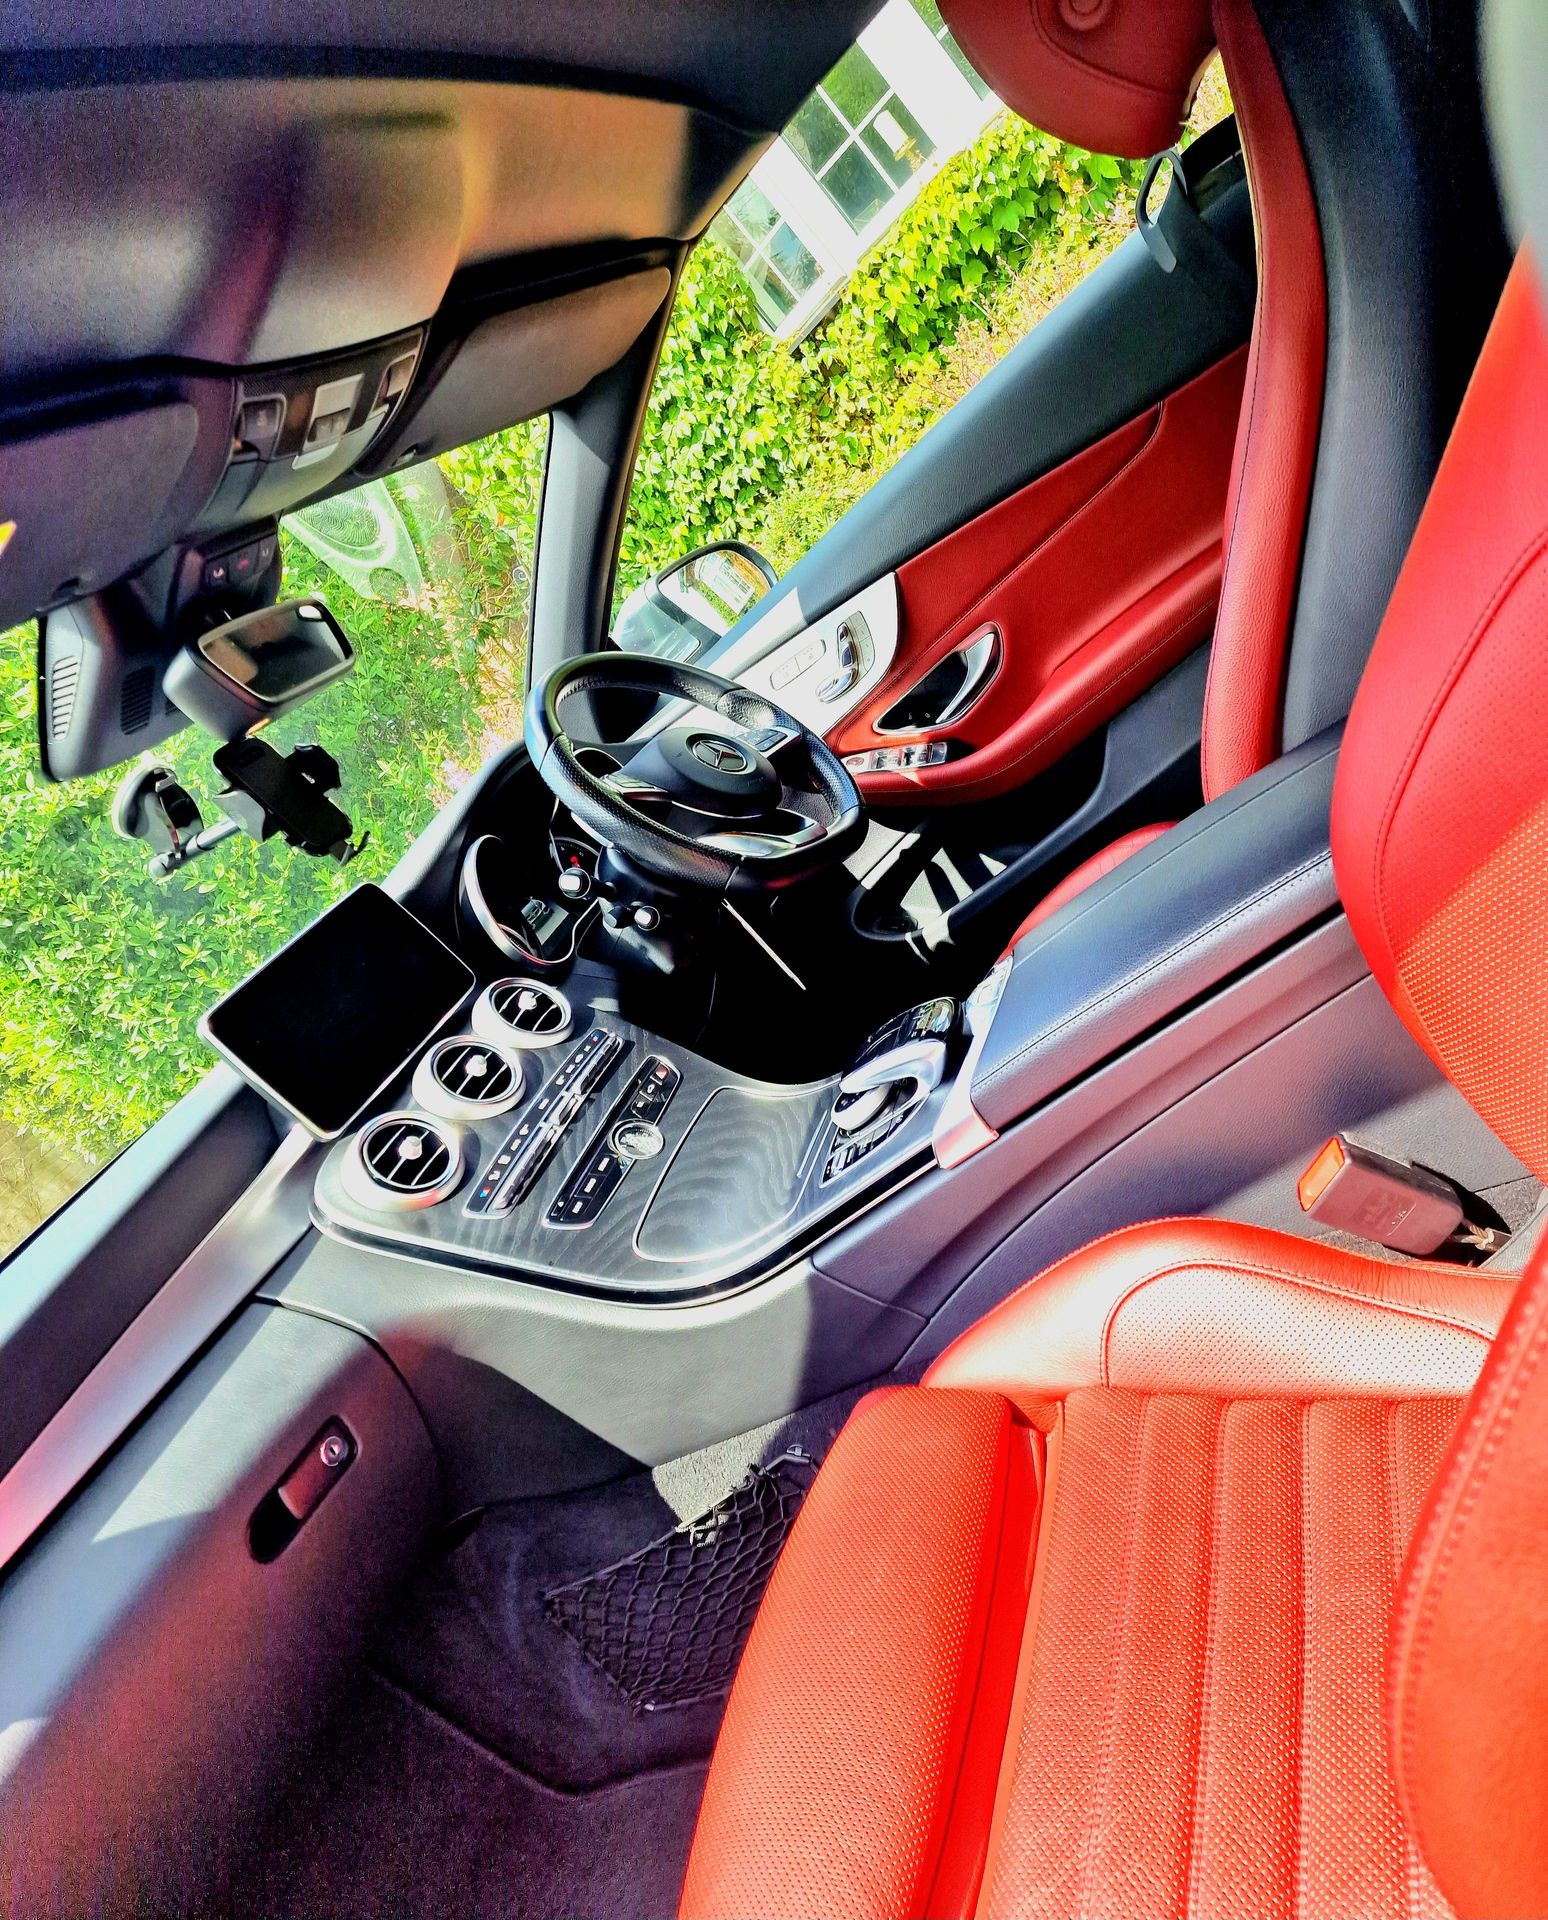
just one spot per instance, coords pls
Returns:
(980, 661)
(949, 690)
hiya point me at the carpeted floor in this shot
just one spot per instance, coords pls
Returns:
(481, 1764)
(402, 1816)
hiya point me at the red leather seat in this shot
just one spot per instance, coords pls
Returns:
(1209, 1572)
(1276, 440)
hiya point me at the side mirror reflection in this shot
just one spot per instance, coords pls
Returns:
(686, 607)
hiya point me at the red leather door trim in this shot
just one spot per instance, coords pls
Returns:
(1099, 575)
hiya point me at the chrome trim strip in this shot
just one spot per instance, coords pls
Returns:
(960, 1129)
(983, 657)
(222, 1272)
(754, 662)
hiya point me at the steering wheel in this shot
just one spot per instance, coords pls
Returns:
(735, 795)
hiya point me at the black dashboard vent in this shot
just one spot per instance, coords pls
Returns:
(529, 1008)
(474, 1073)
(406, 1155)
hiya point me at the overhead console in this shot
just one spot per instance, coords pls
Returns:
(491, 363)
(299, 283)
(296, 430)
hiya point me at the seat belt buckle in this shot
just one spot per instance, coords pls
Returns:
(1402, 1207)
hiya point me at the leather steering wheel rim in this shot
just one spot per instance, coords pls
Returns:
(653, 844)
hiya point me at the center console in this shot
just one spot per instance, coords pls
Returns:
(586, 1245)
(555, 1140)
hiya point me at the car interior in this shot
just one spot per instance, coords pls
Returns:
(895, 1270)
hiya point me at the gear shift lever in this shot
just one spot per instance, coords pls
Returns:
(900, 1078)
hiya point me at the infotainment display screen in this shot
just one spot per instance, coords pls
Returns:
(341, 1010)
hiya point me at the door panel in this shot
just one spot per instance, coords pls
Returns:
(1099, 577)
(1074, 497)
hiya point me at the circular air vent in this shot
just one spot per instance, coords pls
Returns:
(403, 1160)
(466, 1077)
(523, 1013)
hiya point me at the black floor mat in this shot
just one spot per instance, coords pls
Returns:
(400, 1816)
(494, 1761)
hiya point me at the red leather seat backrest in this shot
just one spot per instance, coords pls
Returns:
(1440, 842)
(1118, 76)
(1440, 813)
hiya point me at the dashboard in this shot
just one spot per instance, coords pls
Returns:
(546, 1136)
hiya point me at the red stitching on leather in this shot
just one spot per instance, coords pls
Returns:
(1211, 1644)
(1099, 1821)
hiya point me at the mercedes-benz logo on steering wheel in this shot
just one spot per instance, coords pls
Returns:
(720, 756)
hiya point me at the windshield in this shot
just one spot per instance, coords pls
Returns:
(103, 971)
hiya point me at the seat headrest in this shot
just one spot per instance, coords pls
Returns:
(1117, 76)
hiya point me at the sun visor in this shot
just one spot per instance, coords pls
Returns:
(88, 497)
(1116, 76)
(512, 366)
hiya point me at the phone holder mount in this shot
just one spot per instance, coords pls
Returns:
(267, 793)
(231, 681)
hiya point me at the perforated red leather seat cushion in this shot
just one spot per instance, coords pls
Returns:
(1157, 1688)
(887, 1646)
(1199, 1721)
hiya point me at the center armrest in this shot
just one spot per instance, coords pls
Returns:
(1220, 890)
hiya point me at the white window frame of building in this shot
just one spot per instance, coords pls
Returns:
(920, 71)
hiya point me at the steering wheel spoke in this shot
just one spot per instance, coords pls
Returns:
(634, 791)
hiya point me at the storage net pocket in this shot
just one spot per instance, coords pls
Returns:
(667, 1624)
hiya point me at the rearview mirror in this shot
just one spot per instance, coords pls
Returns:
(258, 667)
(687, 606)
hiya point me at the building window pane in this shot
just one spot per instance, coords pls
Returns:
(796, 264)
(854, 86)
(732, 238)
(897, 143)
(774, 299)
(756, 214)
(815, 132)
(930, 13)
(857, 188)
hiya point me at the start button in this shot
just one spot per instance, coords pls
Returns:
(637, 1140)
